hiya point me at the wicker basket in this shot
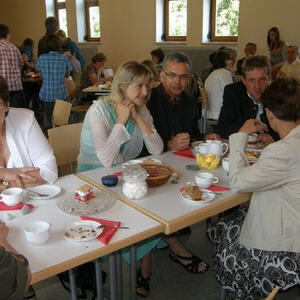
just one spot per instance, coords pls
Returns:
(158, 173)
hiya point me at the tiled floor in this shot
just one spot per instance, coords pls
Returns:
(169, 280)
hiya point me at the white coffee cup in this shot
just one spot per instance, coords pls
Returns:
(225, 164)
(205, 179)
(217, 147)
(12, 196)
(37, 232)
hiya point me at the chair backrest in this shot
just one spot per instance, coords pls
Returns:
(61, 113)
(65, 150)
(204, 106)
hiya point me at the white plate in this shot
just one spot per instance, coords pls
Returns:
(139, 161)
(48, 189)
(83, 231)
(207, 196)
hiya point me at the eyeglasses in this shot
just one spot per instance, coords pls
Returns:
(173, 76)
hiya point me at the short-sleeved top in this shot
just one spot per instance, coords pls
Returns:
(85, 81)
(11, 63)
(53, 67)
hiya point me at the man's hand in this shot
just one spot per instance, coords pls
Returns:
(265, 138)
(212, 136)
(252, 125)
(180, 141)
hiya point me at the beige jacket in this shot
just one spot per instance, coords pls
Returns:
(273, 219)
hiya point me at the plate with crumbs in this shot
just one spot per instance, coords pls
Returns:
(83, 231)
(207, 195)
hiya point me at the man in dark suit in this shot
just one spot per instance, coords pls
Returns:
(174, 111)
(242, 101)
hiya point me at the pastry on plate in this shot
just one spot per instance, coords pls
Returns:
(193, 191)
(84, 193)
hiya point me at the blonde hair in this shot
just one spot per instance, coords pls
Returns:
(128, 73)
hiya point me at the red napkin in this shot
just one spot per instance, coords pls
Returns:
(218, 188)
(118, 174)
(107, 233)
(3, 206)
(185, 153)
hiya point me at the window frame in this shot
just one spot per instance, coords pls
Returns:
(87, 5)
(213, 37)
(166, 35)
(57, 7)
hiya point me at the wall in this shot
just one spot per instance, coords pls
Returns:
(128, 26)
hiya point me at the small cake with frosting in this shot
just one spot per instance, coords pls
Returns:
(84, 193)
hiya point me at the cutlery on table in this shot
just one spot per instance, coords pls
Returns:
(112, 226)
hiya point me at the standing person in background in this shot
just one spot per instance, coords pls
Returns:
(11, 63)
(51, 26)
(73, 47)
(27, 54)
(277, 49)
(54, 68)
(250, 50)
(218, 79)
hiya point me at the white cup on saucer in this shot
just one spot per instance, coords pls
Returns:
(37, 232)
(205, 179)
(12, 196)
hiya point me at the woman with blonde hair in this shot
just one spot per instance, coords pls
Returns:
(115, 130)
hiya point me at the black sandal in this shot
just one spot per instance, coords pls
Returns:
(30, 293)
(193, 266)
(142, 283)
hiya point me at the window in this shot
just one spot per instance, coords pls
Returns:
(92, 17)
(175, 20)
(61, 14)
(224, 20)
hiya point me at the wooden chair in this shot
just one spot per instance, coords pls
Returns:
(65, 151)
(61, 113)
(204, 103)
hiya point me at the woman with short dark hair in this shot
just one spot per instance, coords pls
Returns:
(259, 249)
(218, 79)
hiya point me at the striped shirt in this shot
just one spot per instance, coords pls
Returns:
(53, 68)
(11, 63)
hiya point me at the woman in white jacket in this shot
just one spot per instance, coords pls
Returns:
(22, 142)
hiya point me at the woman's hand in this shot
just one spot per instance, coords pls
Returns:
(17, 175)
(252, 125)
(123, 111)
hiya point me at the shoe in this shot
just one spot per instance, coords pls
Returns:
(142, 284)
(193, 266)
(30, 293)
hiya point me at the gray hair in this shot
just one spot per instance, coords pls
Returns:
(293, 46)
(176, 56)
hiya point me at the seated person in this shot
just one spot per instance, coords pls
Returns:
(22, 142)
(242, 100)
(217, 80)
(155, 82)
(260, 249)
(157, 56)
(291, 67)
(91, 73)
(15, 274)
(170, 105)
(26, 50)
(208, 69)
(249, 50)
(175, 116)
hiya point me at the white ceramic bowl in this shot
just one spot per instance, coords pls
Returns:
(12, 196)
(225, 164)
(37, 232)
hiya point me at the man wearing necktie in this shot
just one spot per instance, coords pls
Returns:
(242, 101)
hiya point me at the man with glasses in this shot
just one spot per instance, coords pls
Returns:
(174, 112)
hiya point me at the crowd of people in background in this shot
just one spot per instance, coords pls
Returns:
(151, 110)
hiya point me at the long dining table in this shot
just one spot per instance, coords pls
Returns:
(165, 204)
(59, 254)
